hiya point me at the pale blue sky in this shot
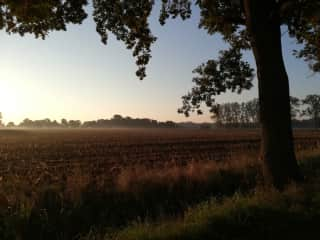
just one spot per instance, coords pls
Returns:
(73, 75)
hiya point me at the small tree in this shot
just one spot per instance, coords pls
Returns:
(253, 110)
(64, 122)
(11, 125)
(295, 107)
(74, 123)
(313, 108)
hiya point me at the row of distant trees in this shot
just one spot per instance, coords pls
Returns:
(234, 114)
(304, 113)
(116, 121)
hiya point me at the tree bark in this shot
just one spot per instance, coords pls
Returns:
(277, 148)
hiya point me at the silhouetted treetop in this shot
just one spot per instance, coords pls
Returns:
(229, 72)
(40, 17)
(128, 21)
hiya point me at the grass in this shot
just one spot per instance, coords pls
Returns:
(263, 213)
(202, 200)
(76, 204)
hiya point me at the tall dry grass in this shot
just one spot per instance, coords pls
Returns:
(69, 204)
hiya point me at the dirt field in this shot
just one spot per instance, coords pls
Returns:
(106, 150)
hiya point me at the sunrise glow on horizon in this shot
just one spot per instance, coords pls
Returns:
(72, 75)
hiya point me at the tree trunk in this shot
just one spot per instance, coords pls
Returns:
(277, 148)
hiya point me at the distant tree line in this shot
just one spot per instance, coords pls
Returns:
(116, 121)
(234, 114)
(119, 121)
(305, 113)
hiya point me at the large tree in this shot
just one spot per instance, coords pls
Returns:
(244, 24)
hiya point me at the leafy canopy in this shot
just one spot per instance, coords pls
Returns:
(40, 17)
(128, 21)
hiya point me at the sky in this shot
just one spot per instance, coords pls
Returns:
(73, 75)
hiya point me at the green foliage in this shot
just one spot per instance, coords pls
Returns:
(128, 21)
(229, 72)
(302, 18)
(175, 8)
(40, 17)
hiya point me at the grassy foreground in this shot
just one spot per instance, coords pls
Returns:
(203, 200)
(263, 213)
(293, 214)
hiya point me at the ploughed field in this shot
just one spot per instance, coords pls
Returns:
(107, 151)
